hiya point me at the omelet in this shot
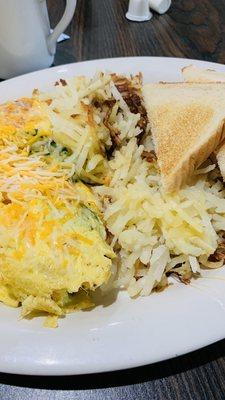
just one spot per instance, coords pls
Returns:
(53, 248)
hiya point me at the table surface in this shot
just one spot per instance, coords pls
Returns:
(192, 29)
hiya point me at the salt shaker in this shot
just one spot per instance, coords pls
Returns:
(139, 10)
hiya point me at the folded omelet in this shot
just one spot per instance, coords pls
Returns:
(53, 249)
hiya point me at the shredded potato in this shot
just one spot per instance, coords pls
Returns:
(143, 220)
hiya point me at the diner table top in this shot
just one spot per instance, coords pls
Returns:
(191, 29)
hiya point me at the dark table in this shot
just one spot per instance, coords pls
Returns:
(192, 29)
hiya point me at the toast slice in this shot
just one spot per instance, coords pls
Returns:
(201, 75)
(196, 74)
(187, 124)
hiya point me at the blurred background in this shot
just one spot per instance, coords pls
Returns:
(191, 28)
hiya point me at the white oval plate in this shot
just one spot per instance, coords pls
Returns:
(127, 333)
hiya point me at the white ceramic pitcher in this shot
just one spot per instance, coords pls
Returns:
(26, 43)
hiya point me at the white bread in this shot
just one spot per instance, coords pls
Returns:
(196, 74)
(201, 75)
(187, 124)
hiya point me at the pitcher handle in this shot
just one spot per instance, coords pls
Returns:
(61, 26)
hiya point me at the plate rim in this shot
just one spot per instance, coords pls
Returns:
(69, 65)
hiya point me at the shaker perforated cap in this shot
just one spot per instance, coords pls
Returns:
(160, 6)
(139, 11)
